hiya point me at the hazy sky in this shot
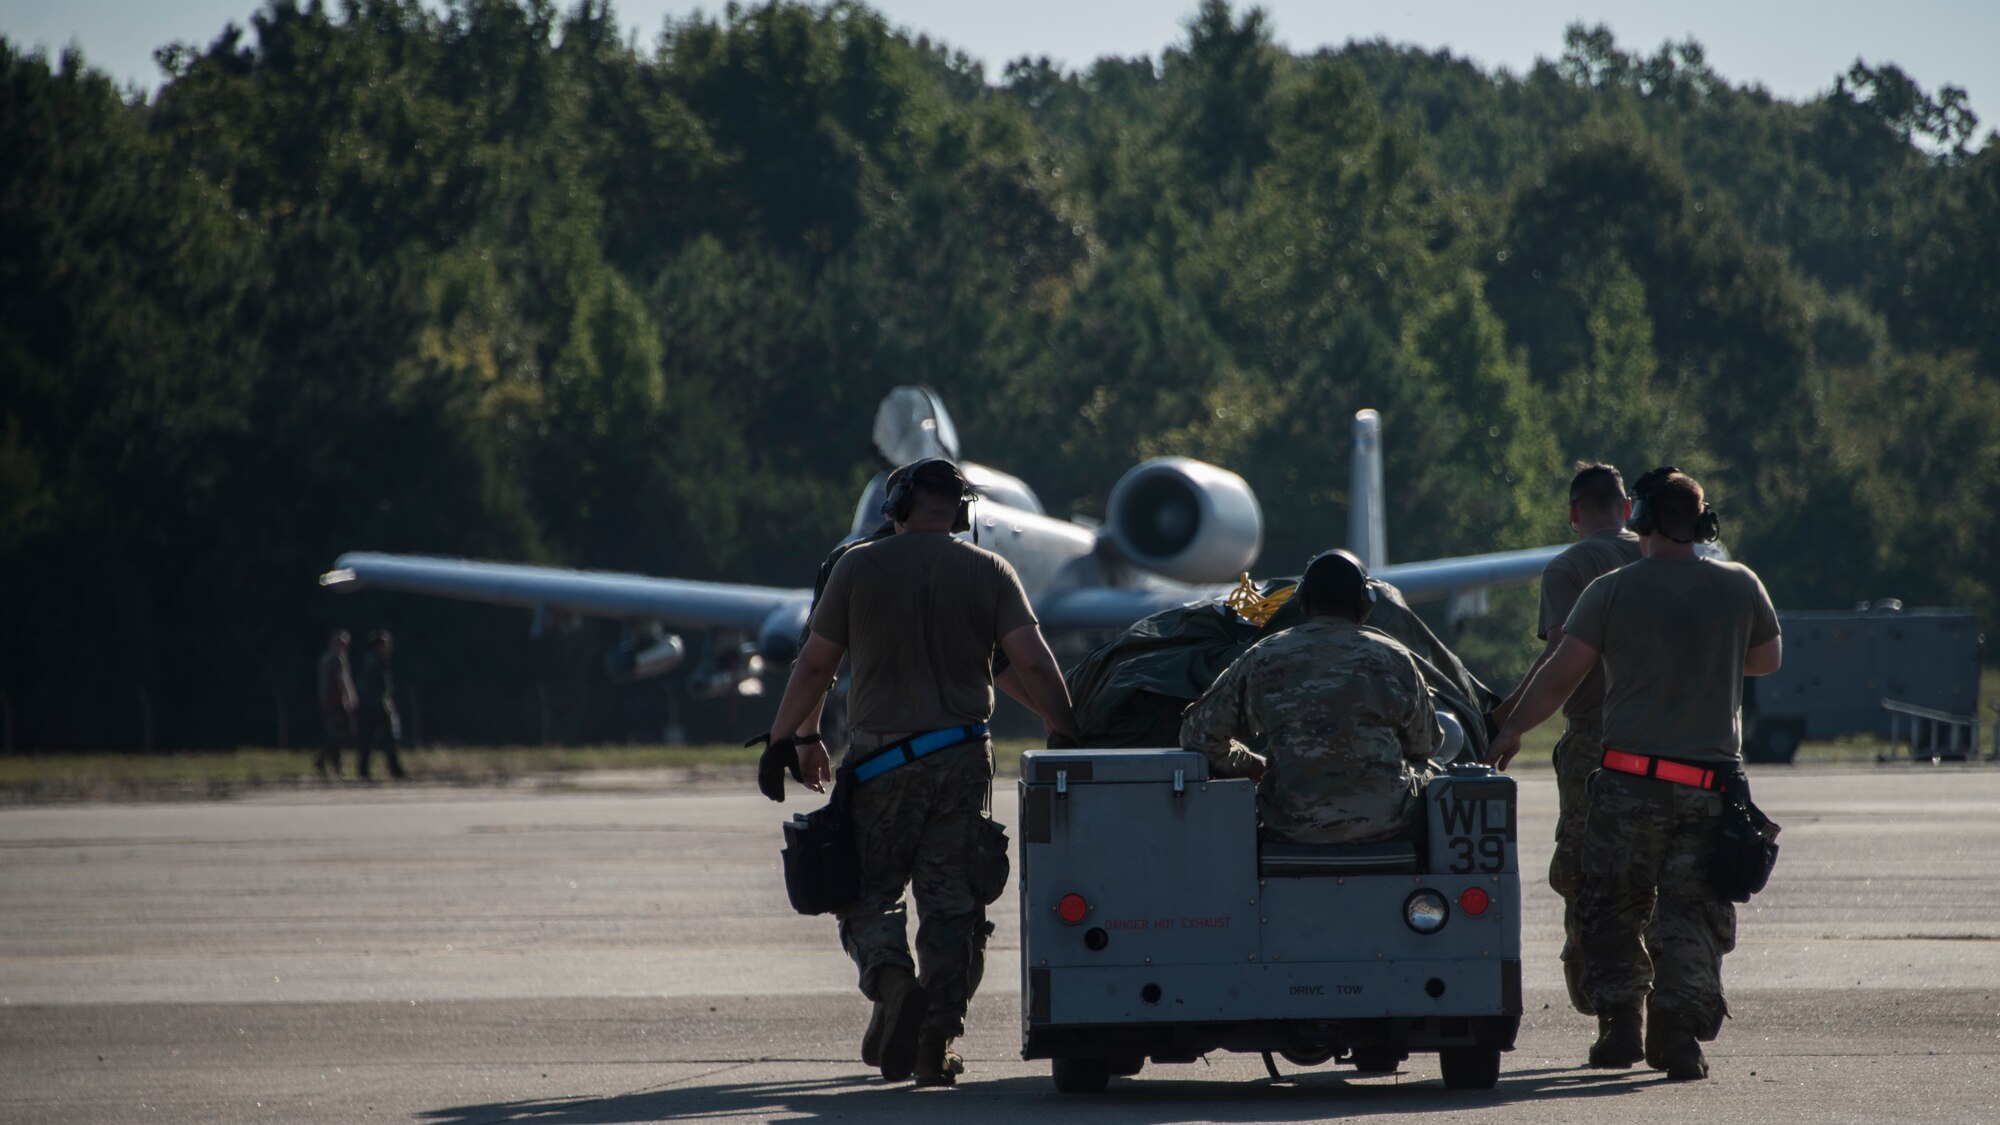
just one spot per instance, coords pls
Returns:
(1792, 47)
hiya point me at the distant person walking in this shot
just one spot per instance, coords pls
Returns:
(337, 702)
(378, 705)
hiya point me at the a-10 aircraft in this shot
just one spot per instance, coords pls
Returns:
(1176, 530)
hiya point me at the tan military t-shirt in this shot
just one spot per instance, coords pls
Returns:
(1671, 634)
(920, 614)
(1563, 581)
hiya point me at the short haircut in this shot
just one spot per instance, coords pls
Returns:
(938, 480)
(1677, 503)
(1597, 486)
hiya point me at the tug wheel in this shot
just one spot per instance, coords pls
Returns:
(1377, 1060)
(1470, 1068)
(1081, 1076)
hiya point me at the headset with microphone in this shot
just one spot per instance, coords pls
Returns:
(939, 475)
(1350, 576)
(1646, 517)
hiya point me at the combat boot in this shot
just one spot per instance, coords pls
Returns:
(1671, 1046)
(937, 1063)
(1619, 1043)
(871, 1040)
(904, 1003)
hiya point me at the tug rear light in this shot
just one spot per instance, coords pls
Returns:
(1426, 911)
(1072, 909)
(1474, 901)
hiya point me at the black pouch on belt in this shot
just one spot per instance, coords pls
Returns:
(823, 855)
(990, 864)
(1746, 844)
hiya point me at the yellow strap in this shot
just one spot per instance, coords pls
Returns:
(1252, 606)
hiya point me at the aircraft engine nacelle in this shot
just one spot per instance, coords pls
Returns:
(1185, 519)
(644, 661)
(778, 636)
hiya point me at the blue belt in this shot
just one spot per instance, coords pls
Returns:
(910, 749)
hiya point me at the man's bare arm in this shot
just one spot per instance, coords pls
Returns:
(1552, 685)
(1031, 663)
(1506, 708)
(1010, 683)
(1764, 659)
(812, 673)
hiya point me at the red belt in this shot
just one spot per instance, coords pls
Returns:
(1680, 773)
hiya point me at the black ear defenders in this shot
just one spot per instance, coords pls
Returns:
(1342, 577)
(1643, 518)
(938, 473)
(1646, 517)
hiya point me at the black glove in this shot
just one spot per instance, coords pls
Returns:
(780, 754)
(1060, 741)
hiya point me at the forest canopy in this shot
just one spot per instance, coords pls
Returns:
(493, 280)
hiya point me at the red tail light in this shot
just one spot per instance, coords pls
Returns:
(1474, 901)
(1072, 909)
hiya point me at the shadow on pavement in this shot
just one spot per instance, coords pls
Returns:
(1167, 1098)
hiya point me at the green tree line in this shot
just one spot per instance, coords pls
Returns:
(494, 280)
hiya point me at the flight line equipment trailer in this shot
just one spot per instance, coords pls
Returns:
(1841, 666)
(1155, 925)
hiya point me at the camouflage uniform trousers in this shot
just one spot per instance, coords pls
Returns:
(1649, 921)
(918, 827)
(1578, 754)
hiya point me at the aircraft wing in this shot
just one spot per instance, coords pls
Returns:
(674, 602)
(1106, 608)
(1441, 577)
(687, 604)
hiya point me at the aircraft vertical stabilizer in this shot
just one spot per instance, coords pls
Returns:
(1365, 534)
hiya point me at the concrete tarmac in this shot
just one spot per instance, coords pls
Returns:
(425, 954)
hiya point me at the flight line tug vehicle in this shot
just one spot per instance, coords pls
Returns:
(1155, 924)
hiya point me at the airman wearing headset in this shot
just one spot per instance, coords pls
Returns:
(1003, 673)
(1675, 633)
(811, 728)
(918, 615)
(1347, 722)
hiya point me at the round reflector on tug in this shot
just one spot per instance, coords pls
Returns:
(1426, 911)
(1474, 901)
(1072, 909)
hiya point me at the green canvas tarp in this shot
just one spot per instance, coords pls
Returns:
(1131, 690)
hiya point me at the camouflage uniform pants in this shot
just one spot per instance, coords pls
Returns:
(1649, 921)
(1577, 756)
(917, 826)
